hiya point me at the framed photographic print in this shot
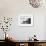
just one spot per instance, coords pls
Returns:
(25, 20)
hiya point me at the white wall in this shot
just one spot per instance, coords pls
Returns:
(12, 8)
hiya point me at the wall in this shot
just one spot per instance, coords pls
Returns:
(12, 8)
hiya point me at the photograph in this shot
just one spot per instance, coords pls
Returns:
(25, 20)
